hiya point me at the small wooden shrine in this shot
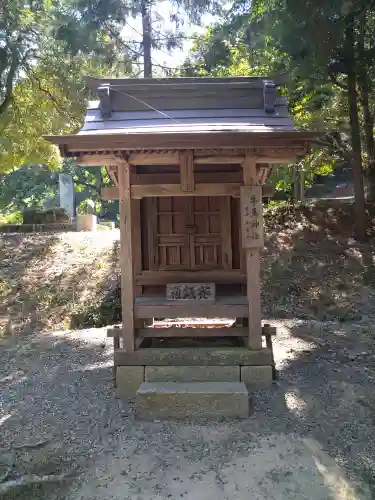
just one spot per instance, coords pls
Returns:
(188, 158)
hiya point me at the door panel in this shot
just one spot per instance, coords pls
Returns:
(172, 242)
(205, 243)
(189, 233)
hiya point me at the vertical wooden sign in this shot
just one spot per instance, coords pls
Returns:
(252, 217)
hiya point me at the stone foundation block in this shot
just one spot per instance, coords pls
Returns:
(171, 400)
(86, 222)
(128, 380)
(192, 374)
(256, 376)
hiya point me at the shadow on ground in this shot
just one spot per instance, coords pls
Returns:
(311, 436)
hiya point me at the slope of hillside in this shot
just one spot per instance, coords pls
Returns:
(311, 267)
(48, 279)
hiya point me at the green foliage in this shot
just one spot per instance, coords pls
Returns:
(34, 186)
(304, 45)
(84, 206)
(43, 66)
(11, 217)
(46, 51)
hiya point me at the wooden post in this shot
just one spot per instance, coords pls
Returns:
(137, 252)
(126, 256)
(187, 171)
(252, 242)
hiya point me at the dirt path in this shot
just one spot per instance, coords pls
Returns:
(310, 436)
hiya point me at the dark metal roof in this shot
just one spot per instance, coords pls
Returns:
(183, 113)
(183, 104)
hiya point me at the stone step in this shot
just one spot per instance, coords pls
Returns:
(174, 400)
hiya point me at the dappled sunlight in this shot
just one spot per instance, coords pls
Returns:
(89, 335)
(332, 475)
(14, 378)
(4, 418)
(295, 403)
(93, 366)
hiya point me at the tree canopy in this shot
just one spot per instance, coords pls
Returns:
(322, 52)
(46, 51)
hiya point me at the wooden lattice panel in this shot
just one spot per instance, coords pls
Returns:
(189, 233)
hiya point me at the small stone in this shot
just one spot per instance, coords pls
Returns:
(8, 459)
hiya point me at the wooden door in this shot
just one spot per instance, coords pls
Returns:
(208, 243)
(168, 240)
(189, 233)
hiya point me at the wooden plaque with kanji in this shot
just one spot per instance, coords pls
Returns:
(252, 217)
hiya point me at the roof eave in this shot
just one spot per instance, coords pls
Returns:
(178, 140)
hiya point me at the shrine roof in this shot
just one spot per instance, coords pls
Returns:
(182, 108)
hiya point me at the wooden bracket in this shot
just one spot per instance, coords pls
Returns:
(113, 174)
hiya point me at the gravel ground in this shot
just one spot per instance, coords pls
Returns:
(310, 436)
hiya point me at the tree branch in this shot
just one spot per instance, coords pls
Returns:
(121, 41)
(9, 82)
(334, 80)
(91, 186)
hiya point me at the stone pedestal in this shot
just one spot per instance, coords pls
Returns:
(86, 222)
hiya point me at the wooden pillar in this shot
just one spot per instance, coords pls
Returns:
(126, 257)
(252, 242)
(137, 252)
(187, 171)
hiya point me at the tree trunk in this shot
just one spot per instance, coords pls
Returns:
(99, 178)
(368, 118)
(359, 198)
(146, 29)
(295, 182)
(301, 185)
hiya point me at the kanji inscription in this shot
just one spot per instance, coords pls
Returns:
(252, 217)
(190, 291)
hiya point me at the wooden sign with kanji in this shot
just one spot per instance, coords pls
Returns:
(252, 217)
(190, 291)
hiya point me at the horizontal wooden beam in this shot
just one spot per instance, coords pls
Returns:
(191, 356)
(216, 189)
(219, 159)
(213, 177)
(172, 158)
(233, 276)
(96, 160)
(223, 307)
(157, 190)
(167, 158)
(176, 332)
(181, 332)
